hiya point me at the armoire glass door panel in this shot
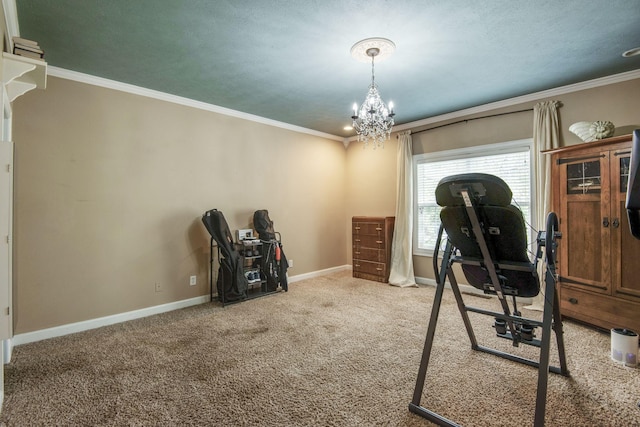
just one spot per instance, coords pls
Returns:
(584, 177)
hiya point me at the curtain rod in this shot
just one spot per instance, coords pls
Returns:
(468, 120)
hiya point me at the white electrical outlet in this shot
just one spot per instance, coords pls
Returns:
(158, 287)
(193, 280)
(290, 262)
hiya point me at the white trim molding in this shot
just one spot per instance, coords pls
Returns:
(86, 325)
(72, 328)
(11, 21)
(463, 287)
(162, 96)
(318, 273)
(468, 289)
(137, 90)
(589, 84)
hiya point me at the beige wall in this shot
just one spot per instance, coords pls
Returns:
(371, 176)
(371, 182)
(110, 188)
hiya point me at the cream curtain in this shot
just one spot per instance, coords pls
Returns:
(401, 273)
(546, 136)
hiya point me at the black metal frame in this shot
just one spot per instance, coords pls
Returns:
(552, 319)
(212, 267)
(213, 277)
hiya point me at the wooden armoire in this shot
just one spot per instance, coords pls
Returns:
(599, 259)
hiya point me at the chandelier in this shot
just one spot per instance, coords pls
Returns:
(373, 121)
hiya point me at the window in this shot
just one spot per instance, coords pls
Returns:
(510, 161)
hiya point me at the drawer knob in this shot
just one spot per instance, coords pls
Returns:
(379, 269)
(357, 228)
(379, 241)
(573, 300)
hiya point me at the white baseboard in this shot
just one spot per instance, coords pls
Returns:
(72, 328)
(318, 273)
(86, 325)
(465, 288)
(7, 348)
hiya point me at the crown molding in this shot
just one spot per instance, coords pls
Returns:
(13, 29)
(589, 84)
(137, 90)
(162, 96)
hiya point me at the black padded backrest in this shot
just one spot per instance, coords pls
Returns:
(504, 228)
(484, 188)
(506, 234)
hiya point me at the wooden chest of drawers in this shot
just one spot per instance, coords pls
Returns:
(371, 237)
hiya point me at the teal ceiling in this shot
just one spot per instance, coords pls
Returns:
(290, 60)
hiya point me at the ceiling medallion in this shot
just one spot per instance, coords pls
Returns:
(373, 121)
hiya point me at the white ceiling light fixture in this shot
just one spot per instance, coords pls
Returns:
(373, 121)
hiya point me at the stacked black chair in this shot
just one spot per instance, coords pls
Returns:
(486, 235)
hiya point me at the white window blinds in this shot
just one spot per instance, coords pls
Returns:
(509, 161)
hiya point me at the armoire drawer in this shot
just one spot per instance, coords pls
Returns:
(603, 311)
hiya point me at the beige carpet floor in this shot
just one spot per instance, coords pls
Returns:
(333, 351)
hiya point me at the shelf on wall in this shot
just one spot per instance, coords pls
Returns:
(21, 74)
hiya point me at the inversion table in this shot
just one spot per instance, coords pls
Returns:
(486, 235)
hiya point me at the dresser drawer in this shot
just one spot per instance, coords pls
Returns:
(369, 254)
(368, 228)
(369, 267)
(375, 242)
